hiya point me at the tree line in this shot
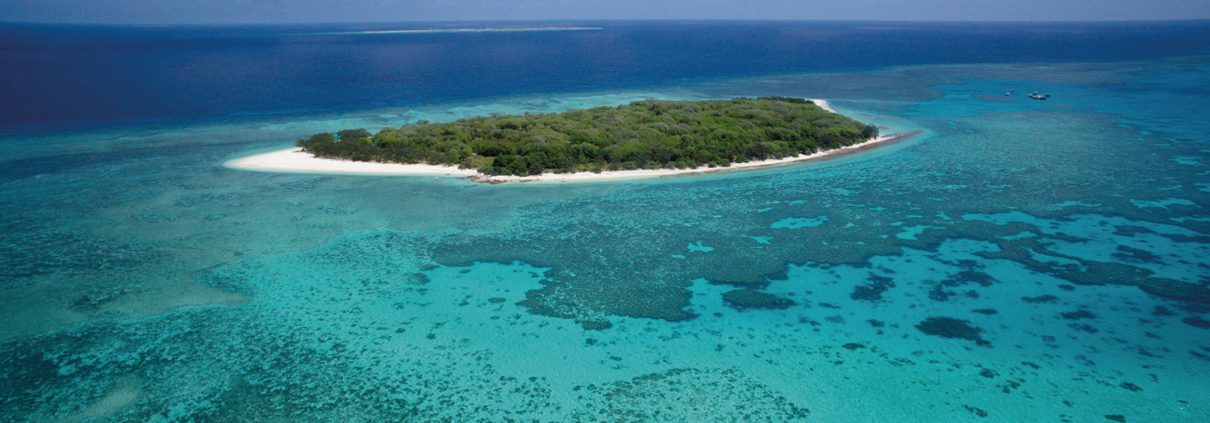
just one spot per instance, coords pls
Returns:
(649, 134)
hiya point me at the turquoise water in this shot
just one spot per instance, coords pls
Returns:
(1017, 261)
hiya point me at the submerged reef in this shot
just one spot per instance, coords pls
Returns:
(948, 327)
(750, 299)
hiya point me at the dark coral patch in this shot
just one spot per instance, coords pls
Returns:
(1162, 311)
(852, 346)
(1134, 254)
(873, 290)
(1197, 322)
(948, 327)
(1175, 290)
(976, 410)
(941, 291)
(1084, 327)
(1078, 314)
(743, 299)
(596, 324)
(1040, 299)
(971, 276)
(1201, 356)
(985, 311)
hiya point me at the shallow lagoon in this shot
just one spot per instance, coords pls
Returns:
(1020, 260)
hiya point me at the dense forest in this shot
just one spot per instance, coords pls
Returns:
(646, 134)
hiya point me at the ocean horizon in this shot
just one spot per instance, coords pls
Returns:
(1016, 260)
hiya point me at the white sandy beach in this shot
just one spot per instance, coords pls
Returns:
(294, 160)
(823, 104)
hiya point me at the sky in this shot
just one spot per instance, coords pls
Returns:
(312, 11)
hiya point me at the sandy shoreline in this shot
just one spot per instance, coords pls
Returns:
(294, 160)
(823, 104)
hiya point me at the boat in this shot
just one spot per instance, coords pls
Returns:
(1038, 96)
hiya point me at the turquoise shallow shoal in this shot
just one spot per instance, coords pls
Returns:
(1017, 261)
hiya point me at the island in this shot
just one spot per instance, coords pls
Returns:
(643, 138)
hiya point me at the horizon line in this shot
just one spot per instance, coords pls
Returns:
(600, 20)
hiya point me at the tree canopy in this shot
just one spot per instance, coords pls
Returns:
(650, 134)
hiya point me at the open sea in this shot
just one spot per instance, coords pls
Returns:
(1018, 260)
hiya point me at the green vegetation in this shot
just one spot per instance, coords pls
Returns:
(642, 135)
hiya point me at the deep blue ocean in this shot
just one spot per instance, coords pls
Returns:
(71, 76)
(1016, 260)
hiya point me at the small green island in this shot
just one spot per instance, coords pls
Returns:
(649, 134)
